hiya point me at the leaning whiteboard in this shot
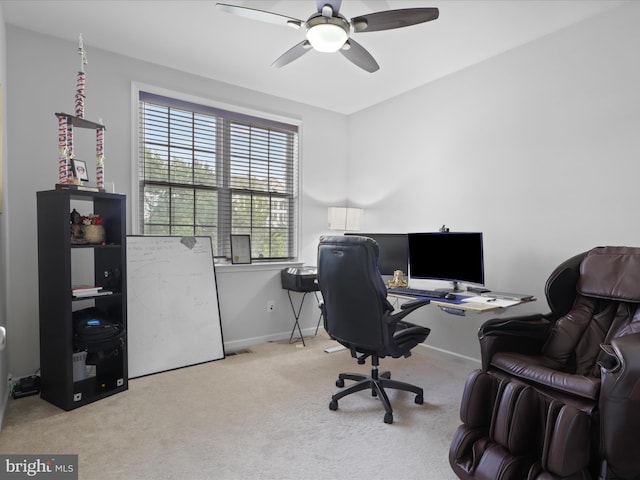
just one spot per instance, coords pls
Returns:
(173, 315)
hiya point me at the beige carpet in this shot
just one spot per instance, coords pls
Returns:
(258, 415)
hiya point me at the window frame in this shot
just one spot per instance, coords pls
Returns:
(136, 221)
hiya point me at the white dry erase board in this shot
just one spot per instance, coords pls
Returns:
(173, 316)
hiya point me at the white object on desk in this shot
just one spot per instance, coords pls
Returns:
(520, 297)
(494, 302)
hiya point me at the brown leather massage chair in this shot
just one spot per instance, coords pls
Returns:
(558, 395)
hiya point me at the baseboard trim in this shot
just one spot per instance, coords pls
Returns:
(3, 408)
(235, 345)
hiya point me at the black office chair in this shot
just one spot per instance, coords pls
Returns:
(357, 314)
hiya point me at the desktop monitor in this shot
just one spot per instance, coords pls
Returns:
(394, 251)
(452, 256)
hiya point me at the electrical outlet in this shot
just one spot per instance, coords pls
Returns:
(271, 305)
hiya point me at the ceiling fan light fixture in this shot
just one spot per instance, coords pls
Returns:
(327, 34)
(328, 31)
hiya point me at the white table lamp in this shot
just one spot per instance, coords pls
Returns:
(345, 218)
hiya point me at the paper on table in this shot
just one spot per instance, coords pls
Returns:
(496, 302)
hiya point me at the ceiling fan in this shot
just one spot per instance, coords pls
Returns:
(328, 31)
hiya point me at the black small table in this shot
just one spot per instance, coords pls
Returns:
(303, 280)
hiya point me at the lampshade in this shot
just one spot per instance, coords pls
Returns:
(327, 34)
(345, 218)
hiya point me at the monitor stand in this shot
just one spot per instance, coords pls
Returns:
(455, 289)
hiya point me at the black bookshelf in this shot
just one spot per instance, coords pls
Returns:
(58, 262)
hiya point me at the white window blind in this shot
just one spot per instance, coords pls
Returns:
(207, 171)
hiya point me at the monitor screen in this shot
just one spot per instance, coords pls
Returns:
(394, 251)
(451, 256)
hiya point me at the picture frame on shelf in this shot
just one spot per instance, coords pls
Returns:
(79, 168)
(240, 249)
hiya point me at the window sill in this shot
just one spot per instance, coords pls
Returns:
(254, 267)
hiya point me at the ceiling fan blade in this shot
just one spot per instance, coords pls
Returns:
(390, 19)
(292, 54)
(259, 15)
(335, 5)
(359, 56)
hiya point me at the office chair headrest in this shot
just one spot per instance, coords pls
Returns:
(351, 240)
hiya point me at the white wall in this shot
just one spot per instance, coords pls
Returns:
(538, 148)
(41, 76)
(3, 217)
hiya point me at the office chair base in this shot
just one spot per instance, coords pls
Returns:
(377, 384)
(358, 377)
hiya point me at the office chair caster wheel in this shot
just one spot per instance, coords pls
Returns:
(419, 399)
(339, 383)
(388, 418)
(333, 405)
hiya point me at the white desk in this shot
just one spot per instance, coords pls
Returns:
(463, 303)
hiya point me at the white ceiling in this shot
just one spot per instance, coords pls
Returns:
(193, 36)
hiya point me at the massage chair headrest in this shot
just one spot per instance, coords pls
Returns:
(602, 272)
(612, 273)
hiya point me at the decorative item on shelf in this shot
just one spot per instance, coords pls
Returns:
(81, 80)
(79, 171)
(68, 174)
(398, 280)
(69, 150)
(65, 149)
(63, 160)
(100, 156)
(77, 233)
(240, 248)
(93, 227)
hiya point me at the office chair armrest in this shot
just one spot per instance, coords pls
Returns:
(414, 304)
(405, 309)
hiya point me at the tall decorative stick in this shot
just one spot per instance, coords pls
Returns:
(69, 149)
(63, 164)
(100, 156)
(81, 81)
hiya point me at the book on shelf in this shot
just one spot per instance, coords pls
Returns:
(72, 186)
(85, 290)
(99, 293)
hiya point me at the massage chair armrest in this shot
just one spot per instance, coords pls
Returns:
(619, 403)
(534, 325)
(522, 334)
(621, 362)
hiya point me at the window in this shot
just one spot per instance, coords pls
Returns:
(207, 171)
